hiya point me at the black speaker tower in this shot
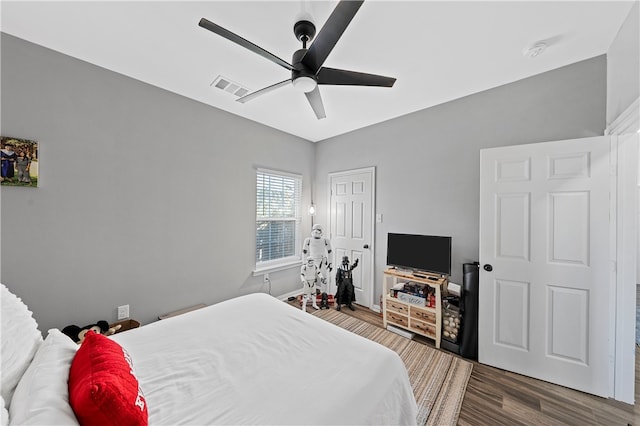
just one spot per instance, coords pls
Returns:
(469, 310)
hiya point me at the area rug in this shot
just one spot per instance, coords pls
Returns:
(438, 379)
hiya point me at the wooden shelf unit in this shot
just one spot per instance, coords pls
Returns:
(421, 320)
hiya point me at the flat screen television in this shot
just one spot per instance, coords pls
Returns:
(424, 253)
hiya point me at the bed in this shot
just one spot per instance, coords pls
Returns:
(248, 360)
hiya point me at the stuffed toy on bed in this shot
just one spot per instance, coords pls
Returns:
(77, 333)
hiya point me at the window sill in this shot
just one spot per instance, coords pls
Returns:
(275, 267)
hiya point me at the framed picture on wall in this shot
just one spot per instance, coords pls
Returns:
(19, 162)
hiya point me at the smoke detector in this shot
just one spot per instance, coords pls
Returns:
(535, 50)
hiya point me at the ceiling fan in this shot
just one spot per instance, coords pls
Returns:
(306, 67)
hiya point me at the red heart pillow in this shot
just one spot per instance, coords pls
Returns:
(103, 389)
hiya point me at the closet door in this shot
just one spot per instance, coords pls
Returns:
(351, 216)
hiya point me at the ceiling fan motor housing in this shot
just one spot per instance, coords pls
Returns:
(302, 76)
(300, 69)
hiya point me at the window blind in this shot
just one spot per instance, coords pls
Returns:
(278, 217)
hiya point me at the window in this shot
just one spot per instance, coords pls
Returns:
(278, 199)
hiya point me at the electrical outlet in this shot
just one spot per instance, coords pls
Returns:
(123, 312)
(265, 278)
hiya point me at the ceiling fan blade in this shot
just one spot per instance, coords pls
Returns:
(315, 100)
(253, 95)
(330, 34)
(352, 78)
(215, 28)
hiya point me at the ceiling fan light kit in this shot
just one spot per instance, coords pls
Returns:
(305, 84)
(306, 68)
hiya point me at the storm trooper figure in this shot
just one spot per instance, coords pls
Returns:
(309, 275)
(319, 249)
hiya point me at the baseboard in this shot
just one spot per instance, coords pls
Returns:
(286, 296)
(404, 333)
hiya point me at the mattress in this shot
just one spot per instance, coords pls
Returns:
(257, 360)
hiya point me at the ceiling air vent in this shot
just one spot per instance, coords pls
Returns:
(223, 83)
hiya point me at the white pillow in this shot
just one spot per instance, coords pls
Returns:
(19, 337)
(42, 396)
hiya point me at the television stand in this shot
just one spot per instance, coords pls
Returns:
(411, 315)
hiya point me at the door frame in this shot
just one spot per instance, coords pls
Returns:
(372, 244)
(625, 159)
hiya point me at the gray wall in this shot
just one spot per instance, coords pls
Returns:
(427, 163)
(145, 197)
(124, 214)
(623, 66)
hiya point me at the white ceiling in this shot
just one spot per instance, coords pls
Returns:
(438, 51)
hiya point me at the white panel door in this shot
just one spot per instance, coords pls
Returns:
(544, 253)
(351, 219)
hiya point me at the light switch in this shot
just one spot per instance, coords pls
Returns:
(379, 217)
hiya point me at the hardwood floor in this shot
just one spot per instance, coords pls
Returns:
(498, 397)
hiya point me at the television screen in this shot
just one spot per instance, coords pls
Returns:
(427, 253)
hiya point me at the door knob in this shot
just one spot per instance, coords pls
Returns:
(488, 267)
(365, 246)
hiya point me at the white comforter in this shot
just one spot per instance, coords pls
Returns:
(257, 360)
